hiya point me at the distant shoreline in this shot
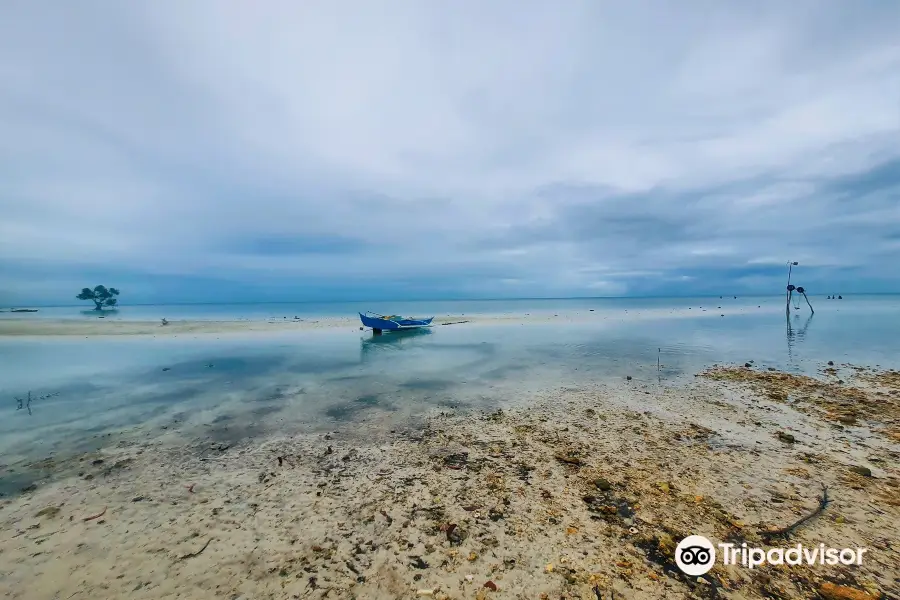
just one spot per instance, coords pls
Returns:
(368, 301)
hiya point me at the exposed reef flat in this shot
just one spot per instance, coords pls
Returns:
(582, 494)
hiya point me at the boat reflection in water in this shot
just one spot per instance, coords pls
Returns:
(392, 341)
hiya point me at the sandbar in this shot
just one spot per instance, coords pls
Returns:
(36, 326)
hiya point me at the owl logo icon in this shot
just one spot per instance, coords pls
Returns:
(695, 555)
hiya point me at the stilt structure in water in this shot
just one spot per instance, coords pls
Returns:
(800, 292)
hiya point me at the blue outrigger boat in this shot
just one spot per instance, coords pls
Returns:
(380, 323)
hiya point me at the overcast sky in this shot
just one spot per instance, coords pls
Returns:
(202, 150)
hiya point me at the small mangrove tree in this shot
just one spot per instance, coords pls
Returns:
(101, 296)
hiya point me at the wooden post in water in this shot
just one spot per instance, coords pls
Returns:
(803, 292)
(790, 289)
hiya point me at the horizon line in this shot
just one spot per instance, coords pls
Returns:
(333, 301)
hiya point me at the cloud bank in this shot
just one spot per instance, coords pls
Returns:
(350, 150)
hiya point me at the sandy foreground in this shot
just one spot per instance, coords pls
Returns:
(30, 326)
(583, 494)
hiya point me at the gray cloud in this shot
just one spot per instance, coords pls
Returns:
(510, 148)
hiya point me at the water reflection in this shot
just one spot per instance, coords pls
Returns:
(243, 385)
(376, 345)
(796, 335)
(100, 314)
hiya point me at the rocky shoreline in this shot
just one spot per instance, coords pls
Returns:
(583, 494)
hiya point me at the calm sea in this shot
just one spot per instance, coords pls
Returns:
(230, 387)
(280, 310)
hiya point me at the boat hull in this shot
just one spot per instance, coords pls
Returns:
(390, 324)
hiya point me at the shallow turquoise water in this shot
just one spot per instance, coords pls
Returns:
(228, 387)
(307, 310)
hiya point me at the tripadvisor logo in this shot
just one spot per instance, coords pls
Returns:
(696, 555)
